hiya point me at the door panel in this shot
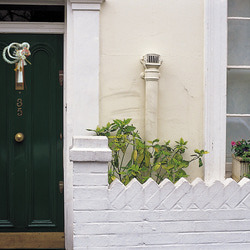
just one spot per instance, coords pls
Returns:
(30, 170)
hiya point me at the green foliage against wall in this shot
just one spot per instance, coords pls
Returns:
(134, 158)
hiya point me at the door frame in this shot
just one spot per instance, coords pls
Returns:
(37, 28)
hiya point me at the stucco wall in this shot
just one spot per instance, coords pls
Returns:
(174, 29)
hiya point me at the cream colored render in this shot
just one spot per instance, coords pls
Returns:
(175, 30)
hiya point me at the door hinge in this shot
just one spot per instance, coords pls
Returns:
(61, 77)
(61, 187)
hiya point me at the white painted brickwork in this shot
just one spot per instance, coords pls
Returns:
(151, 216)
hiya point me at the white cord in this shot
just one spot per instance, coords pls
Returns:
(21, 50)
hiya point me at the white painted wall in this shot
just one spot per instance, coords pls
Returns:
(81, 89)
(175, 30)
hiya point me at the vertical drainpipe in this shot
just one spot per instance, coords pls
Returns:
(151, 75)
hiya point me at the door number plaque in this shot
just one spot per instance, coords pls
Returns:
(19, 105)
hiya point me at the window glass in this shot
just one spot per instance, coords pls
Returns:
(238, 90)
(31, 13)
(238, 42)
(239, 8)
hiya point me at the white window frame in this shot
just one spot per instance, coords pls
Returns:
(215, 73)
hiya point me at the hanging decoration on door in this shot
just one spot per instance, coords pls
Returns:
(18, 53)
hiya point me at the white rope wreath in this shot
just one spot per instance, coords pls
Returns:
(21, 51)
(19, 54)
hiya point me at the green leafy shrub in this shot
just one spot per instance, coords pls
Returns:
(134, 158)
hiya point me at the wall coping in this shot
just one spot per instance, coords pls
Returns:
(90, 149)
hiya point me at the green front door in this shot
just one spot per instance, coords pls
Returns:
(31, 199)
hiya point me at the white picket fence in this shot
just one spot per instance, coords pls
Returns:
(150, 216)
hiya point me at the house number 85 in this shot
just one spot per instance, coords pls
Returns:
(19, 105)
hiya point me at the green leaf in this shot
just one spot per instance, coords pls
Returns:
(197, 151)
(156, 140)
(200, 162)
(117, 122)
(135, 155)
(147, 160)
(157, 166)
(127, 121)
(129, 129)
(140, 158)
(122, 173)
(170, 166)
(139, 144)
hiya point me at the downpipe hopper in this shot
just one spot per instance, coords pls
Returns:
(151, 63)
